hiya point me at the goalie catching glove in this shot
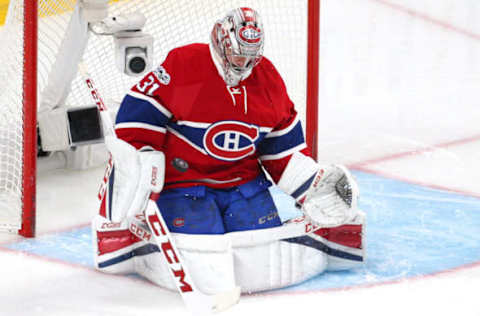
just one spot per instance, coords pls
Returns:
(135, 174)
(332, 197)
(328, 197)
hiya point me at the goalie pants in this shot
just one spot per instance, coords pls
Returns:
(203, 210)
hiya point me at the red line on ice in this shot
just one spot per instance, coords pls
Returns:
(415, 152)
(425, 17)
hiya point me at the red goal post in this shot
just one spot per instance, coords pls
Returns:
(35, 31)
(27, 228)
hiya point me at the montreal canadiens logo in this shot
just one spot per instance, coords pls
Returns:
(250, 34)
(230, 140)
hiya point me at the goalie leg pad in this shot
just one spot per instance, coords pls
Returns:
(263, 259)
(343, 245)
(209, 259)
(255, 267)
(349, 240)
(255, 260)
(276, 264)
(115, 247)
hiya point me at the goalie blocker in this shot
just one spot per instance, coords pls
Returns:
(255, 260)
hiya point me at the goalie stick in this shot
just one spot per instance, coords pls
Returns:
(197, 303)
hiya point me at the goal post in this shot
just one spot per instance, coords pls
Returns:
(32, 41)
(313, 68)
(29, 119)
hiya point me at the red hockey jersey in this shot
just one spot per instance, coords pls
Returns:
(211, 134)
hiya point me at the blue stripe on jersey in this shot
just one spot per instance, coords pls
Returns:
(313, 243)
(279, 144)
(137, 110)
(196, 134)
(304, 187)
(193, 134)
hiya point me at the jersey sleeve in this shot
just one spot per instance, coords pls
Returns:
(280, 144)
(288, 159)
(147, 108)
(286, 138)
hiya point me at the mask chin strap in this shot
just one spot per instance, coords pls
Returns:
(233, 77)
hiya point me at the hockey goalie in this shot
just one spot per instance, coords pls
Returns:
(216, 124)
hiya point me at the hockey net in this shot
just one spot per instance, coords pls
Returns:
(291, 29)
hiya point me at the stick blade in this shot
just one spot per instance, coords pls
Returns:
(225, 300)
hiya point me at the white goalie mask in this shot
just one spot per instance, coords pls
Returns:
(238, 40)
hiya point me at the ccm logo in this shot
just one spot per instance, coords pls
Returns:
(110, 225)
(103, 185)
(140, 232)
(309, 227)
(318, 178)
(267, 218)
(154, 175)
(169, 252)
(95, 95)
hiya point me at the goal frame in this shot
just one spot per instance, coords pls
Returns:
(313, 69)
(29, 170)
(30, 36)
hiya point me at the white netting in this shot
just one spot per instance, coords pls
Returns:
(179, 22)
(11, 119)
(171, 22)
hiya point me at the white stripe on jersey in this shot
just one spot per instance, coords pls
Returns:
(284, 153)
(152, 101)
(193, 124)
(207, 125)
(284, 131)
(141, 126)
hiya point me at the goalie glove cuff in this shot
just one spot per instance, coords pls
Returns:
(298, 176)
(326, 193)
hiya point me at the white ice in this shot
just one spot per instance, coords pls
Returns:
(399, 84)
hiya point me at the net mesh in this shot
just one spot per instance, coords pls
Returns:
(172, 23)
(11, 119)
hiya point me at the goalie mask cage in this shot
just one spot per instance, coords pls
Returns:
(35, 31)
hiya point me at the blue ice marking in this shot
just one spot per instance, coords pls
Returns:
(411, 231)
